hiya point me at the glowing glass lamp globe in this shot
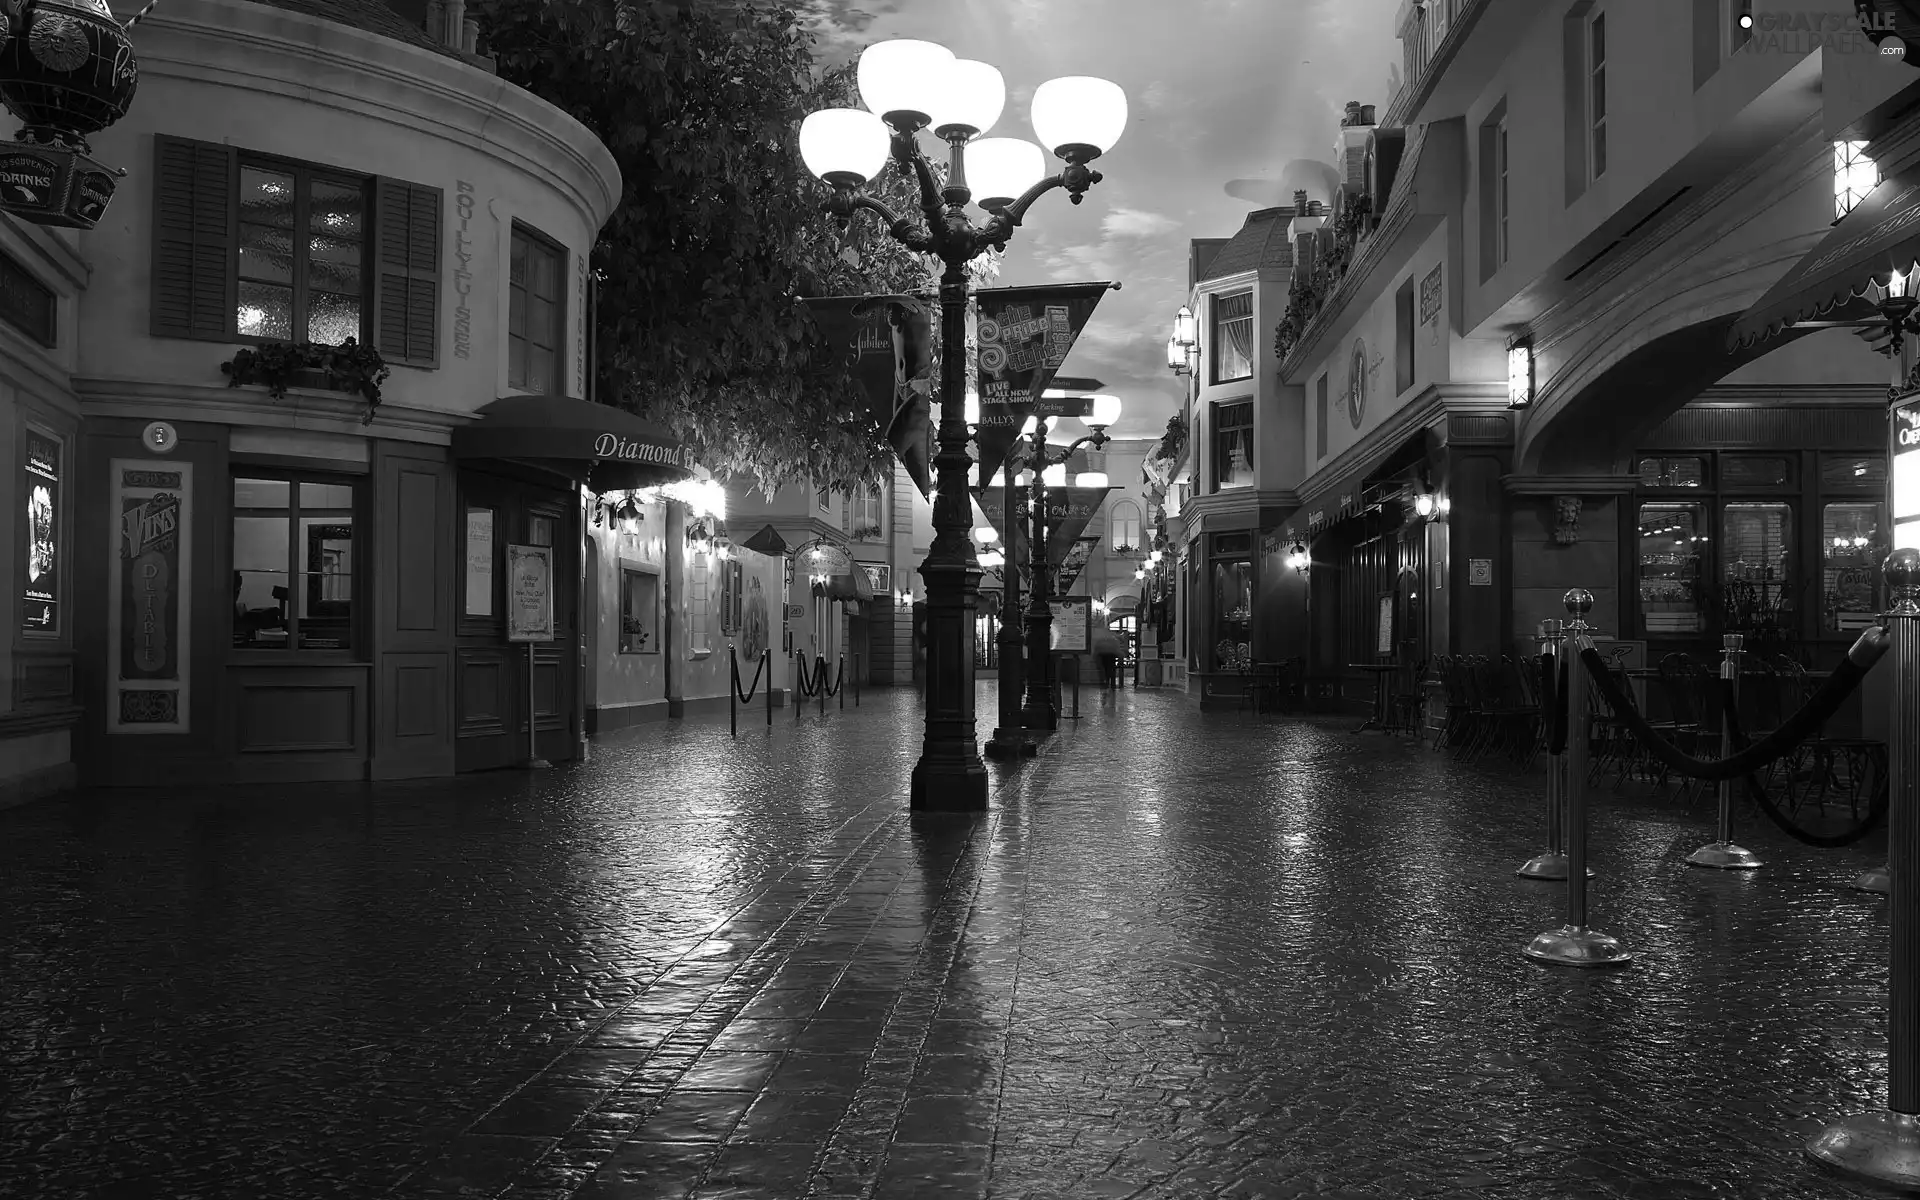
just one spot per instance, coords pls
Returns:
(971, 409)
(1078, 114)
(843, 145)
(1091, 479)
(1106, 410)
(1055, 476)
(903, 81)
(969, 101)
(1000, 169)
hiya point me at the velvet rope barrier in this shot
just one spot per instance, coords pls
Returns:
(820, 675)
(747, 696)
(1557, 684)
(1876, 806)
(1795, 729)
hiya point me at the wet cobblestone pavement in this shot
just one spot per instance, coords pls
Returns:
(1180, 957)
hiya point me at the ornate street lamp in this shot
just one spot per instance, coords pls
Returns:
(908, 86)
(67, 70)
(1048, 467)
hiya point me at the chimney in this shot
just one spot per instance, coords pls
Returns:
(1314, 209)
(1353, 113)
(1366, 115)
(1300, 202)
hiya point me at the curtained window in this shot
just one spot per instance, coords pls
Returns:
(1232, 337)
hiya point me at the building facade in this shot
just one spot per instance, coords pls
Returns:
(284, 579)
(1495, 383)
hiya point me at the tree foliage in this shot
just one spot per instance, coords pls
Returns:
(719, 230)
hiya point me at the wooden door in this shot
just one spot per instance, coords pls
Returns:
(490, 673)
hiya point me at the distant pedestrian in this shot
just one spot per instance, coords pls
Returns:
(1106, 652)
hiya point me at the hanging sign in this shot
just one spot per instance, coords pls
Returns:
(887, 344)
(1076, 561)
(1906, 475)
(529, 593)
(1069, 510)
(149, 639)
(1024, 335)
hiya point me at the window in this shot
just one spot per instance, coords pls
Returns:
(1853, 471)
(1755, 540)
(42, 472)
(1403, 337)
(1500, 192)
(1233, 445)
(1673, 472)
(824, 498)
(1233, 604)
(1755, 470)
(700, 603)
(1673, 546)
(866, 513)
(480, 552)
(27, 304)
(1493, 191)
(1320, 417)
(1597, 95)
(293, 562)
(535, 313)
(730, 596)
(1232, 337)
(1853, 542)
(247, 245)
(639, 611)
(1124, 527)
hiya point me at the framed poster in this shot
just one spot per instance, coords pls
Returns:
(529, 593)
(40, 488)
(879, 577)
(149, 577)
(1072, 625)
(479, 576)
(1385, 642)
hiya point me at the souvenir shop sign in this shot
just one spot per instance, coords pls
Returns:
(150, 574)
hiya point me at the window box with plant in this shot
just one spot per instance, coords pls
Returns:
(277, 366)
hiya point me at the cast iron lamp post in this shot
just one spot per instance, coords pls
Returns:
(908, 86)
(1039, 711)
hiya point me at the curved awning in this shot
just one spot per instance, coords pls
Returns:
(607, 448)
(1879, 237)
(853, 585)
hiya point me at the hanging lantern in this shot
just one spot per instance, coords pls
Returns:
(67, 70)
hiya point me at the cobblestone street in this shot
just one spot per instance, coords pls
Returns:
(1180, 957)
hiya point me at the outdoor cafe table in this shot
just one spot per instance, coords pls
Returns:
(1380, 672)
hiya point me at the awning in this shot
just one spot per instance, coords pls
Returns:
(768, 541)
(607, 448)
(851, 586)
(1879, 237)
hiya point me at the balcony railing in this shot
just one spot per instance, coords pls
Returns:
(1311, 288)
(1423, 38)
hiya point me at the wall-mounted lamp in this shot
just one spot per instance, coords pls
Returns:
(1519, 375)
(1298, 559)
(1854, 175)
(1183, 347)
(1140, 573)
(1183, 327)
(1431, 507)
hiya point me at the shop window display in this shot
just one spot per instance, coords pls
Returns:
(1233, 614)
(1673, 545)
(1853, 542)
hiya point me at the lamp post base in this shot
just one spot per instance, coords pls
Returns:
(1010, 743)
(1882, 1146)
(1724, 856)
(535, 764)
(1577, 946)
(944, 787)
(1548, 866)
(1875, 880)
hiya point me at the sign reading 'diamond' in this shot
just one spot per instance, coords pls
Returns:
(1906, 475)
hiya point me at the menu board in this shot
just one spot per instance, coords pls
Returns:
(41, 601)
(1384, 644)
(529, 593)
(479, 562)
(1906, 474)
(1072, 625)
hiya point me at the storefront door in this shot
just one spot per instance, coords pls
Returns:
(491, 673)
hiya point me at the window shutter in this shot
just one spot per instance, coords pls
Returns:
(193, 239)
(406, 321)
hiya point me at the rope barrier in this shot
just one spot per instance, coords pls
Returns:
(1876, 806)
(1557, 683)
(747, 696)
(1816, 712)
(839, 676)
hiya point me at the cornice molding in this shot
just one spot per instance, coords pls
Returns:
(1568, 485)
(1776, 395)
(375, 77)
(1430, 408)
(302, 408)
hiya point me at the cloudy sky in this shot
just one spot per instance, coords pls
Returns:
(1218, 90)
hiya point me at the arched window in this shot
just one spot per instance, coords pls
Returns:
(1123, 527)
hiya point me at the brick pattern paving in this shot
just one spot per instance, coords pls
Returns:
(1180, 957)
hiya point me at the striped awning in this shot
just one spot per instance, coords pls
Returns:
(1879, 238)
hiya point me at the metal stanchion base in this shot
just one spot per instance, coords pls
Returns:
(1882, 1146)
(1875, 880)
(1548, 866)
(1724, 856)
(1577, 946)
(1003, 745)
(536, 764)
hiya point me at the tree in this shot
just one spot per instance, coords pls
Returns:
(719, 230)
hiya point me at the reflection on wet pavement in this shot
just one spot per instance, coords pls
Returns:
(1230, 957)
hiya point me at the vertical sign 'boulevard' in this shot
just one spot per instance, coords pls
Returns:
(1024, 335)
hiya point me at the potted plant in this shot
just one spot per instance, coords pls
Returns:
(348, 367)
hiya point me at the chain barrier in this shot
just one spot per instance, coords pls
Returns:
(1817, 711)
(764, 667)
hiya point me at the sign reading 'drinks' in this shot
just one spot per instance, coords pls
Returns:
(1906, 474)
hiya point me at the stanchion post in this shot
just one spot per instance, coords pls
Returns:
(840, 677)
(534, 761)
(1574, 944)
(1884, 1146)
(1721, 854)
(733, 692)
(799, 677)
(856, 681)
(1076, 689)
(1552, 865)
(1873, 879)
(820, 681)
(766, 661)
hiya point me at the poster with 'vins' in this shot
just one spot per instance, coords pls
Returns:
(150, 576)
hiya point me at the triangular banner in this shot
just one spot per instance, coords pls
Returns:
(1077, 558)
(1069, 509)
(1024, 335)
(888, 343)
(993, 503)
